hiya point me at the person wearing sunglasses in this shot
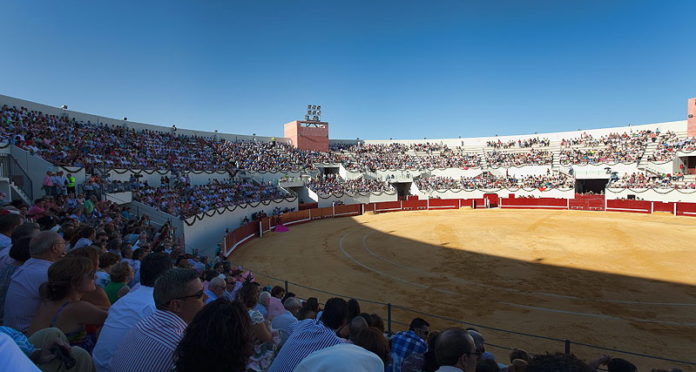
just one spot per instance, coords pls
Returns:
(455, 351)
(150, 345)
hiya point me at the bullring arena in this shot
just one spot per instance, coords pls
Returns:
(611, 279)
(577, 242)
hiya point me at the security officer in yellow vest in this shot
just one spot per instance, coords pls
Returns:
(72, 182)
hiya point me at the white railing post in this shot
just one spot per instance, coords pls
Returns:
(260, 229)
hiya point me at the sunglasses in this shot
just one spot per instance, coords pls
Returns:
(196, 295)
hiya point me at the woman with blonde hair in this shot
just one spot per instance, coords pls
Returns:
(62, 305)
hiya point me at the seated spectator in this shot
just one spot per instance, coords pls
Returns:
(62, 306)
(22, 299)
(216, 289)
(19, 253)
(408, 342)
(285, 322)
(8, 223)
(312, 335)
(264, 344)
(41, 348)
(422, 362)
(106, 263)
(219, 338)
(262, 303)
(150, 345)
(121, 274)
(367, 353)
(309, 310)
(275, 305)
(455, 350)
(129, 310)
(557, 362)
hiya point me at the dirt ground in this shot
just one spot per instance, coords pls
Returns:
(616, 280)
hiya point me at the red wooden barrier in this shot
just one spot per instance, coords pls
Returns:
(663, 206)
(533, 203)
(304, 206)
(443, 204)
(388, 206)
(240, 235)
(634, 206)
(478, 203)
(686, 209)
(587, 202)
(369, 207)
(294, 217)
(347, 210)
(319, 213)
(414, 204)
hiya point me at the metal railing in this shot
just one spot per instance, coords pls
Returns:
(389, 310)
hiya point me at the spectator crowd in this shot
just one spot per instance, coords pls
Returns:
(487, 180)
(186, 200)
(521, 143)
(644, 180)
(333, 184)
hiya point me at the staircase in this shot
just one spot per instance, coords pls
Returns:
(555, 149)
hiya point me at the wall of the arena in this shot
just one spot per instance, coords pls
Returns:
(36, 168)
(119, 197)
(328, 200)
(153, 178)
(675, 126)
(665, 195)
(96, 119)
(275, 176)
(157, 217)
(204, 235)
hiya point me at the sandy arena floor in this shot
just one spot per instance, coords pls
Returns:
(618, 280)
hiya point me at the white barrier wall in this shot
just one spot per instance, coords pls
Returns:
(157, 217)
(204, 235)
(119, 197)
(664, 195)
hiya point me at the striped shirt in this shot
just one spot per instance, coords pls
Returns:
(150, 345)
(308, 336)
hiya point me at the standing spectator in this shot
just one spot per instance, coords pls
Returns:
(129, 310)
(23, 299)
(405, 343)
(47, 183)
(219, 338)
(150, 345)
(311, 335)
(71, 183)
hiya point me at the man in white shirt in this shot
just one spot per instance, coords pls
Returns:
(125, 313)
(216, 289)
(455, 351)
(286, 321)
(23, 298)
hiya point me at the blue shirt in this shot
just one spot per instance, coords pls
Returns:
(404, 344)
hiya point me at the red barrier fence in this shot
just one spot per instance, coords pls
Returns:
(443, 204)
(587, 202)
(534, 203)
(347, 210)
(391, 206)
(410, 205)
(584, 202)
(663, 206)
(686, 209)
(304, 206)
(634, 206)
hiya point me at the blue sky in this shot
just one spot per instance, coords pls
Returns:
(380, 69)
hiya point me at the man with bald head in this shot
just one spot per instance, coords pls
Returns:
(23, 299)
(455, 351)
